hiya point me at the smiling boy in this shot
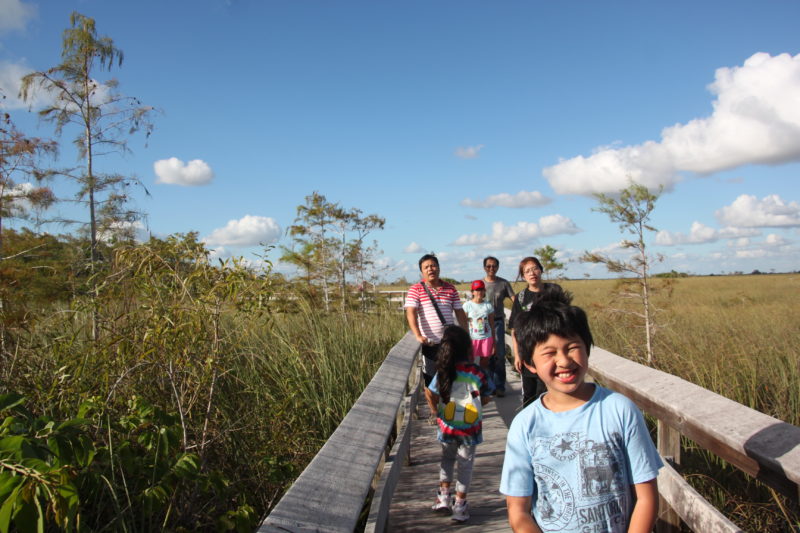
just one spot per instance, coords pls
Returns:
(579, 458)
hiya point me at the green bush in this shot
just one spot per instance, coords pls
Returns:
(96, 472)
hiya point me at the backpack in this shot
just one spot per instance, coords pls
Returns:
(464, 409)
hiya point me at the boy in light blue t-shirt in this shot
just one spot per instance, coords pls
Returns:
(579, 458)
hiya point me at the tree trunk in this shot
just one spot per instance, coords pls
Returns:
(648, 323)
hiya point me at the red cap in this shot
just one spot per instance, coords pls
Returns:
(478, 285)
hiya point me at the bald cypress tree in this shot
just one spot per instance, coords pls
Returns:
(547, 256)
(631, 210)
(22, 180)
(101, 117)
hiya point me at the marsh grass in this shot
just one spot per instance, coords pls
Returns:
(186, 349)
(734, 335)
(283, 383)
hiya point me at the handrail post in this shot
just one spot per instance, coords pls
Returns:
(669, 446)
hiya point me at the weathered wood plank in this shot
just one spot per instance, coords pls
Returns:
(411, 506)
(758, 444)
(669, 446)
(698, 514)
(330, 493)
(398, 457)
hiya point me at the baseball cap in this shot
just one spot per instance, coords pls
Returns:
(478, 285)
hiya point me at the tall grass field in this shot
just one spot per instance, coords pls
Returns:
(208, 390)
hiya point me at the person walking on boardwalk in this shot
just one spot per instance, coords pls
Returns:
(480, 316)
(497, 290)
(431, 305)
(457, 394)
(530, 269)
(580, 457)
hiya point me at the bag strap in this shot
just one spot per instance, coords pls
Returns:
(433, 301)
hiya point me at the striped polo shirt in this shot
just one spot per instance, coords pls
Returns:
(447, 299)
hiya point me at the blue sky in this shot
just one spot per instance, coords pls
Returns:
(473, 127)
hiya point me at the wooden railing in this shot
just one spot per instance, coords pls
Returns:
(760, 445)
(331, 492)
(365, 453)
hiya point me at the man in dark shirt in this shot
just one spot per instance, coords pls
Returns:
(497, 290)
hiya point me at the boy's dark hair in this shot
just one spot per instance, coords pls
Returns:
(491, 258)
(425, 258)
(551, 313)
(456, 346)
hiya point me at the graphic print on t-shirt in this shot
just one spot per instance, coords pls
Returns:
(580, 483)
(478, 319)
(478, 327)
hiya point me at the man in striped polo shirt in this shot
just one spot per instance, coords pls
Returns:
(423, 319)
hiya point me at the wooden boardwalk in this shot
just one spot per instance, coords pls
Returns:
(416, 489)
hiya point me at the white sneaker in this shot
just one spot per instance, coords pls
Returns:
(460, 511)
(444, 502)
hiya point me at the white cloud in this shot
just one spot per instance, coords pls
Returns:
(175, 172)
(15, 201)
(18, 191)
(413, 248)
(519, 235)
(736, 233)
(773, 247)
(220, 252)
(557, 225)
(468, 152)
(756, 120)
(386, 262)
(775, 240)
(247, 231)
(669, 238)
(749, 212)
(521, 199)
(613, 248)
(123, 228)
(610, 170)
(16, 15)
(702, 234)
(755, 253)
(11, 75)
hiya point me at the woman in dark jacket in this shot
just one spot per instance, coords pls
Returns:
(530, 269)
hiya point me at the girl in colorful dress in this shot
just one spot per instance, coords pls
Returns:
(457, 393)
